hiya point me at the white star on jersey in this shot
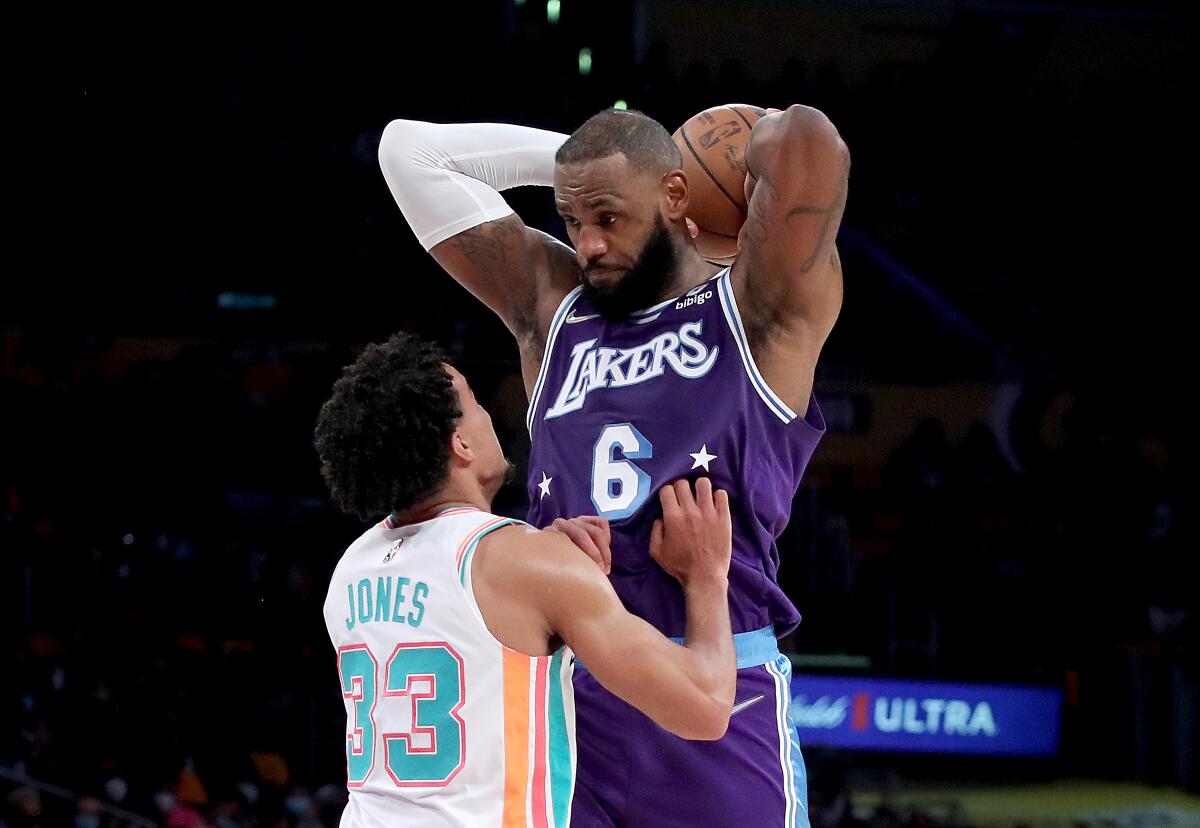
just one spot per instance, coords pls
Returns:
(545, 485)
(702, 458)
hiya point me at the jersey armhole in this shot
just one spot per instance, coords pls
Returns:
(812, 419)
(464, 574)
(556, 324)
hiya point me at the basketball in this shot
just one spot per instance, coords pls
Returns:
(713, 144)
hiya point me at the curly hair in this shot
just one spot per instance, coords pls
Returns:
(383, 438)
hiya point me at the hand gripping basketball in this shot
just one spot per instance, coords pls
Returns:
(713, 146)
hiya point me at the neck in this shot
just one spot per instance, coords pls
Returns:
(692, 269)
(456, 493)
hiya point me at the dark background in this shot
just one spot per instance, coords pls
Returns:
(201, 238)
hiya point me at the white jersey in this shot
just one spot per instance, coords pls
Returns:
(445, 725)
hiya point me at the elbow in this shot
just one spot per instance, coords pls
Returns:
(715, 703)
(799, 135)
(812, 128)
(707, 719)
(808, 122)
(405, 147)
(397, 136)
(716, 723)
(708, 723)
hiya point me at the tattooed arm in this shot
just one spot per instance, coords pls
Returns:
(788, 277)
(447, 179)
(520, 273)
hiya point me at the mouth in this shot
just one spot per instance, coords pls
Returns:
(604, 275)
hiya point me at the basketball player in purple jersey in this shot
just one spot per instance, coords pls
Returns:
(645, 363)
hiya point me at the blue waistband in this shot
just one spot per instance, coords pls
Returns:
(751, 648)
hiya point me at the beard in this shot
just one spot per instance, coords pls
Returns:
(641, 285)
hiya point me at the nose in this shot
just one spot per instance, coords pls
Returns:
(591, 244)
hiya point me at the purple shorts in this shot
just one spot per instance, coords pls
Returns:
(633, 773)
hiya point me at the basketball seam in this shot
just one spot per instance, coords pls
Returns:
(738, 112)
(707, 171)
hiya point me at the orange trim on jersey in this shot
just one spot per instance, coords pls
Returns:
(516, 738)
(462, 549)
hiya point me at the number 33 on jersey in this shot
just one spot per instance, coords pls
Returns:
(439, 714)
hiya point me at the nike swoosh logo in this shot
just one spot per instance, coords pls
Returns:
(572, 318)
(738, 708)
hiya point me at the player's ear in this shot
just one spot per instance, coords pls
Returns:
(460, 449)
(675, 195)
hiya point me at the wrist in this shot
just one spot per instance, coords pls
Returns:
(706, 584)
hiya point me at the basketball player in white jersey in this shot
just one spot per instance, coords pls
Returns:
(452, 625)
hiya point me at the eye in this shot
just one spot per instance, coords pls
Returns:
(570, 221)
(608, 220)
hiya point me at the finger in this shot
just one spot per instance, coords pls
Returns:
(656, 536)
(599, 522)
(721, 502)
(598, 537)
(670, 501)
(583, 540)
(594, 531)
(772, 110)
(704, 494)
(683, 493)
(604, 524)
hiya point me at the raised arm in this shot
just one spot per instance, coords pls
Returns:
(788, 276)
(447, 178)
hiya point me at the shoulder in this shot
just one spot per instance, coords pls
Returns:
(525, 561)
(521, 548)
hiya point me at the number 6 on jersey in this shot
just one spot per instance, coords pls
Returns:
(619, 487)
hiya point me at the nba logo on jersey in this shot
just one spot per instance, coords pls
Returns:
(392, 552)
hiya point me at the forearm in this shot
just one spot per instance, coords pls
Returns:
(709, 638)
(447, 178)
(799, 176)
(686, 689)
(689, 690)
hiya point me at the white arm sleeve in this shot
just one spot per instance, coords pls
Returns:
(446, 177)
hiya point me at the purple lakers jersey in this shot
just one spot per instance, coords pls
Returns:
(622, 407)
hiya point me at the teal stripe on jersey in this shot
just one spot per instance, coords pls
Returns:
(562, 781)
(464, 567)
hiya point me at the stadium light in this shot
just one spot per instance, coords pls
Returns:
(553, 10)
(621, 105)
(585, 61)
